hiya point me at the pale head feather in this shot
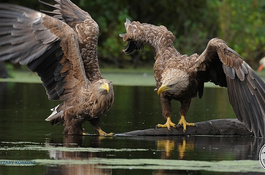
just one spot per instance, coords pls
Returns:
(177, 79)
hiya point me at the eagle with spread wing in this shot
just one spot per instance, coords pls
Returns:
(181, 77)
(62, 48)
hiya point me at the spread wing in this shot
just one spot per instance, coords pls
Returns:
(87, 31)
(223, 66)
(47, 46)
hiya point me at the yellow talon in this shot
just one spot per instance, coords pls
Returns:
(167, 125)
(102, 133)
(110, 134)
(183, 122)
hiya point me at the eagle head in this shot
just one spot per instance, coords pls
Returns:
(139, 33)
(173, 81)
(104, 86)
(132, 36)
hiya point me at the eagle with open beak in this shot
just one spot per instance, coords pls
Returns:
(181, 77)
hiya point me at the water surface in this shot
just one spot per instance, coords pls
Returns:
(25, 136)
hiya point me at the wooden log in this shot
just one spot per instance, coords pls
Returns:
(225, 127)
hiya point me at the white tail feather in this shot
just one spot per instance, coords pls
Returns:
(54, 114)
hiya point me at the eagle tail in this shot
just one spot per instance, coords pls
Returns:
(56, 116)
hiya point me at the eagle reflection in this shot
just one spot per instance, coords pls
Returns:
(240, 148)
(77, 169)
(206, 148)
(168, 146)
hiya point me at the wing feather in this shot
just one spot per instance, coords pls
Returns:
(87, 31)
(246, 89)
(47, 46)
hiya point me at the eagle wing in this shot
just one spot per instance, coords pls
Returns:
(47, 46)
(86, 29)
(223, 66)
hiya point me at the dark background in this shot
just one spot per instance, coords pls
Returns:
(194, 23)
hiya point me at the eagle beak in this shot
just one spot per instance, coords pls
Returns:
(122, 35)
(127, 23)
(163, 88)
(105, 86)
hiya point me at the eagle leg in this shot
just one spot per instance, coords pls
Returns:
(95, 123)
(167, 125)
(183, 122)
(73, 129)
(73, 125)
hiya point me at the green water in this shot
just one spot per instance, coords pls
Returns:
(29, 145)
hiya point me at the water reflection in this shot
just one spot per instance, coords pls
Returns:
(23, 108)
(206, 148)
(169, 148)
(77, 169)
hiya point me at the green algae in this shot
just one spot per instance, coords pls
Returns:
(155, 164)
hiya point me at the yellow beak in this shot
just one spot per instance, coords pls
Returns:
(163, 88)
(105, 86)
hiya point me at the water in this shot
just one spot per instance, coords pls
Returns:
(33, 146)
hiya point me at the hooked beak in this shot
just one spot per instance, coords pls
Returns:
(163, 88)
(125, 24)
(105, 86)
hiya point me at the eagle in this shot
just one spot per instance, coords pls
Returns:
(181, 77)
(62, 49)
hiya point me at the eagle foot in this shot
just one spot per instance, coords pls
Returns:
(184, 123)
(167, 125)
(102, 133)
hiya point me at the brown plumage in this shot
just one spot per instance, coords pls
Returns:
(63, 51)
(182, 77)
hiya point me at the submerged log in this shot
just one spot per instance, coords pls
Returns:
(225, 127)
